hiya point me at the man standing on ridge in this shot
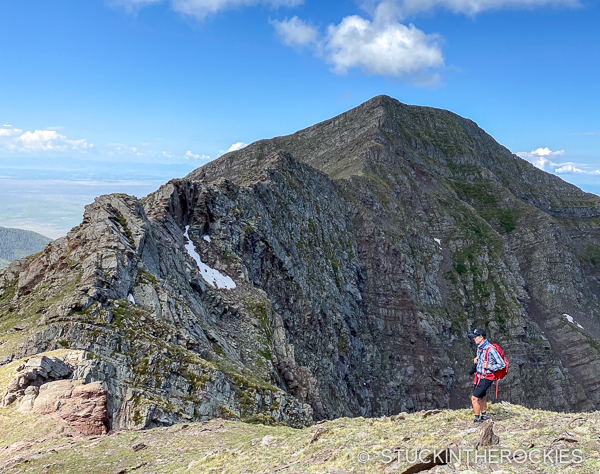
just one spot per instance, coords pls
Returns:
(488, 361)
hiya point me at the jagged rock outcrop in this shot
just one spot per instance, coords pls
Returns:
(154, 341)
(333, 272)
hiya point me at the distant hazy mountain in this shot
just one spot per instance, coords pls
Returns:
(18, 243)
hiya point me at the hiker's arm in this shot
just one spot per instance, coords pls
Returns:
(495, 362)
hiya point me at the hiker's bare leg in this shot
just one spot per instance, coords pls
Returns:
(476, 407)
(483, 404)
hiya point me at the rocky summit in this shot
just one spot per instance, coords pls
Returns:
(330, 273)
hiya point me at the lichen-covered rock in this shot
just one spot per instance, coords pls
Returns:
(347, 263)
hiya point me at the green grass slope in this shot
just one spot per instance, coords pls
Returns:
(345, 445)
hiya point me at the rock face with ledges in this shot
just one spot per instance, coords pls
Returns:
(362, 250)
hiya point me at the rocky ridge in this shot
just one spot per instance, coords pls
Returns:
(360, 251)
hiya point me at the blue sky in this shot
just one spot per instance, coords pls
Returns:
(160, 87)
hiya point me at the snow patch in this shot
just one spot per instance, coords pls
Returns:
(569, 318)
(439, 242)
(211, 276)
(572, 321)
(131, 298)
(207, 238)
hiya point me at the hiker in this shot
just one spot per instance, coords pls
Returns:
(487, 362)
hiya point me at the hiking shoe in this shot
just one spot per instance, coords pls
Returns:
(483, 417)
(478, 420)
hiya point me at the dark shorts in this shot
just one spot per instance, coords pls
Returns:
(480, 389)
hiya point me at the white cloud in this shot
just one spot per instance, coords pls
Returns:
(568, 168)
(237, 146)
(126, 151)
(51, 143)
(295, 32)
(469, 7)
(540, 158)
(189, 154)
(385, 45)
(7, 125)
(382, 46)
(122, 149)
(14, 140)
(10, 132)
(201, 8)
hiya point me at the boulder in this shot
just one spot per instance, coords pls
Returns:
(84, 407)
(52, 395)
(29, 396)
(53, 366)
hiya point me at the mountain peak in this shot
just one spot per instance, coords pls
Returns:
(343, 145)
(362, 250)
